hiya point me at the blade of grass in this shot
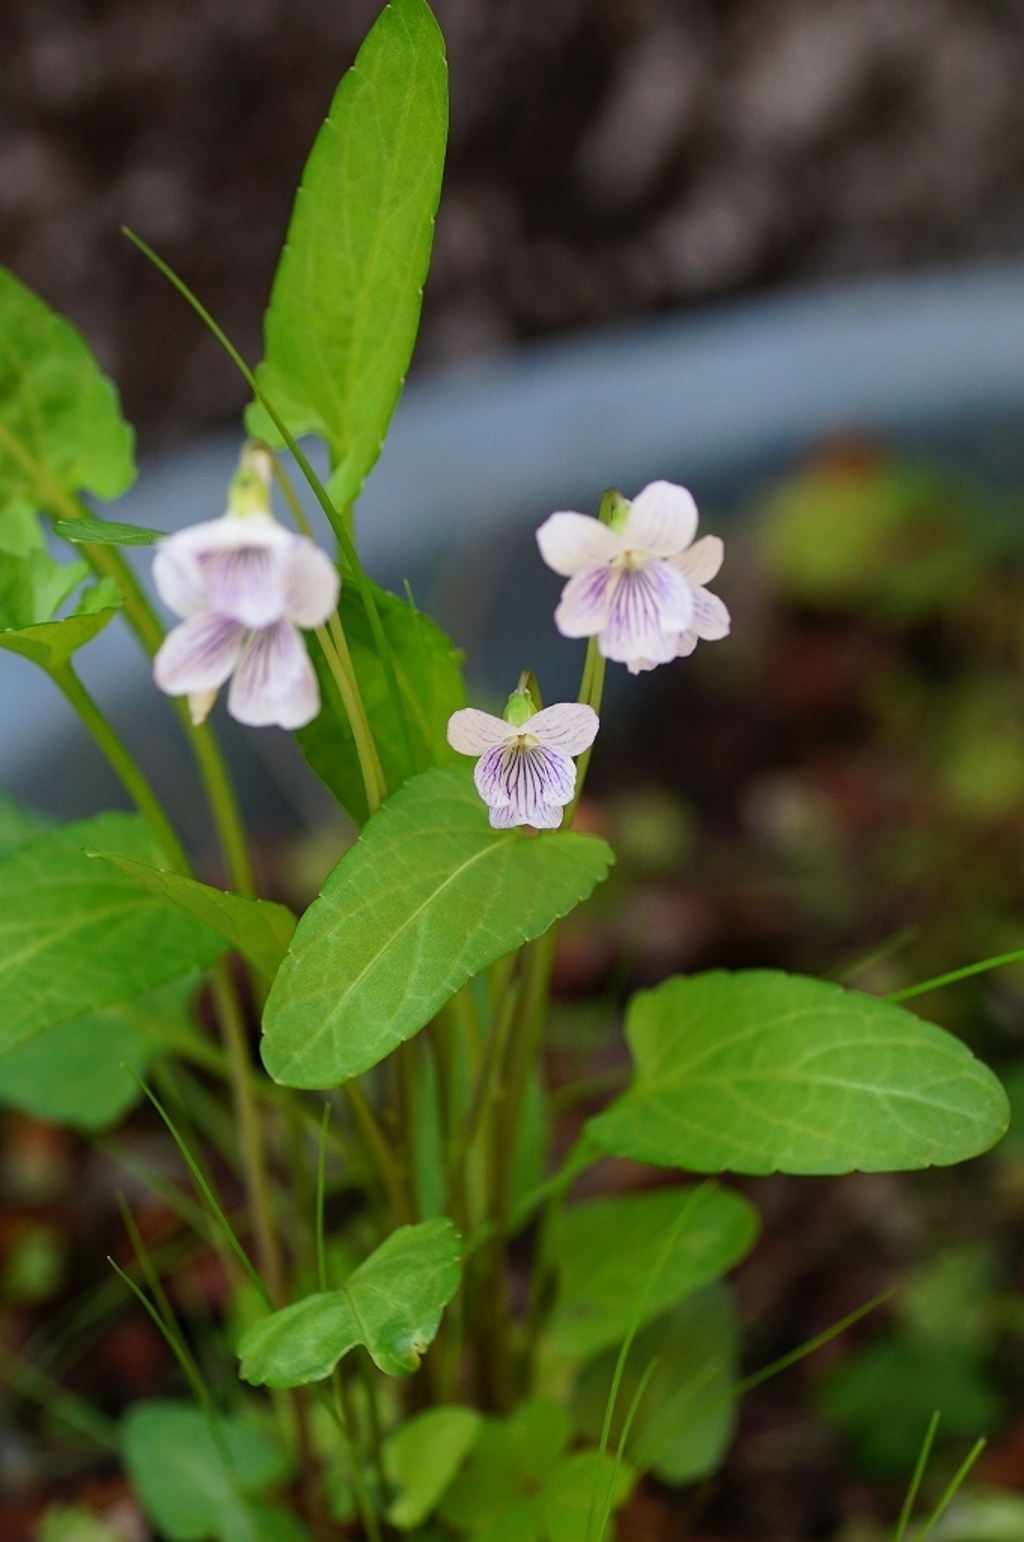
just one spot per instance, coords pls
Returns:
(613, 1479)
(952, 1489)
(319, 491)
(915, 1482)
(211, 1199)
(954, 975)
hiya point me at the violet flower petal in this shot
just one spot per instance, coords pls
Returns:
(570, 542)
(662, 519)
(569, 726)
(584, 606)
(198, 655)
(648, 606)
(274, 682)
(473, 732)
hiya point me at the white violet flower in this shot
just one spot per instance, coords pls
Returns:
(244, 585)
(637, 584)
(525, 774)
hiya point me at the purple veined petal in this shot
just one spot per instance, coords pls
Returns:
(700, 562)
(247, 583)
(583, 608)
(662, 519)
(571, 542)
(641, 666)
(274, 682)
(311, 583)
(198, 655)
(177, 580)
(473, 732)
(568, 726)
(548, 817)
(686, 643)
(711, 619)
(649, 604)
(526, 779)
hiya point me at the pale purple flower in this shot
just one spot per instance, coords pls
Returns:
(638, 583)
(244, 586)
(525, 773)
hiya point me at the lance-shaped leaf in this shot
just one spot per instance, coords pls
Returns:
(105, 532)
(427, 897)
(76, 934)
(60, 420)
(259, 929)
(625, 1259)
(345, 304)
(392, 1304)
(429, 674)
(762, 1071)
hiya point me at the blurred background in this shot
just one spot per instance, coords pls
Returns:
(774, 248)
(609, 158)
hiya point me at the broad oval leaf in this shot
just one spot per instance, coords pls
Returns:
(345, 305)
(428, 669)
(623, 1260)
(761, 1071)
(392, 1304)
(85, 1073)
(59, 415)
(76, 935)
(427, 897)
(259, 929)
(422, 1457)
(179, 1472)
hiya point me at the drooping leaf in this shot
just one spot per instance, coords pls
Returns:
(34, 585)
(634, 1255)
(76, 935)
(392, 1304)
(762, 1071)
(429, 674)
(105, 532)
(427, 897)
(81, 1073)
(59, 415)
(685, 1418)
(422, 1457)
(188, 1489)
(259, 929)
(345, 304)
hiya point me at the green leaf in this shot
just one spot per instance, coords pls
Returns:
(345, 305)
(259, 929)
(53, 643)
(81, 1073)
(422, 1457)
(520, 1486)
(612, 1260)
(18, 825)
(762, 1071)
(188, 1490)
(685, 1418)
(392, 1304)
(105, 532)
(59, 415)
(33, 586)
(76, 935)
(429, 673)
(427, 897)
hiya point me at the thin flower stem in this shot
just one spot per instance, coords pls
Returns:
(591, 692)
(113, 747)
(339, 662)
(343, 1413)
(392, 1177)
(250, 1130)
(321, 1176)
(337, 520)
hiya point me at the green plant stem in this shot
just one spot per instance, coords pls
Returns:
(394, 1180)
(344, 1414)
(335, 647)
(590, 695)
(137, 785)
(915, 1482)
(338, 520)
(250, 1130)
